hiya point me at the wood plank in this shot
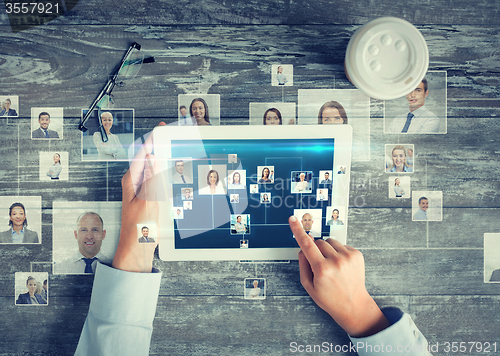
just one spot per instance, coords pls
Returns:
(389, 271)
(238, 63)
(215, 325)
(47, 330)
(290, 12)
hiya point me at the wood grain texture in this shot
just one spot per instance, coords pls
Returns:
(432, 270)
(278, 12)
(224, 325)
(42, 330)
(74, 62)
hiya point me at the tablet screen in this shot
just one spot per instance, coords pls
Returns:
(237, 193)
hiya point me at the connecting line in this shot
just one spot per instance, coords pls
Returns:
(427, 227)
(425, 174)
(263, 261)
(478, 99)
(36, 263)
(427, 222)
(418, 248)
(213, 212)
(107, 181)
(18, 160)
(146, 193)
(284, 224)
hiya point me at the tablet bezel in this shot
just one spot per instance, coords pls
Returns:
(162, 137)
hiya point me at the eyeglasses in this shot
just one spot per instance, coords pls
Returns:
(129, 67)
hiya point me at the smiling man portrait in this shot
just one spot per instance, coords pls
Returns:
(421, 214)
(89, 234)
(43, 131)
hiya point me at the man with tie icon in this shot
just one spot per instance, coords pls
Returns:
(43, 131)
(179, 177)
(145, 236)
(419, 120)
(307, 223)
(89, 235)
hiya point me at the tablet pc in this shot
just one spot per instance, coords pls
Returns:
(230, 189)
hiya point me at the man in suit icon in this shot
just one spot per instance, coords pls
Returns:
(179, 177)
(327, 179)
(89, 234)
(145, 233)
(419, 119)
(43, 131)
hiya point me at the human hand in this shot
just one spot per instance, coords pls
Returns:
(334, 277)
(139, 207)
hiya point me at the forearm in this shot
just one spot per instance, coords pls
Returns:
(362, 318)
(131, 255)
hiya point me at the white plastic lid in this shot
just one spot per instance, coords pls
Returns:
(386, 58)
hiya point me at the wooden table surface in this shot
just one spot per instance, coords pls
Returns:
(433, 270)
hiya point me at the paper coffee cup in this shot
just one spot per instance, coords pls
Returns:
(386, 58)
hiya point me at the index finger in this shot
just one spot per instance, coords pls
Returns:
(140, 160)
(306, 243)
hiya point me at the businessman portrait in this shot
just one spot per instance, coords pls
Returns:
(326, 179)
(43, 132)
(89, 234)
(418, 119)
(145, 236)
(179, 175)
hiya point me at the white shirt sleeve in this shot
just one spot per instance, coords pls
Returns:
(121, 313)
(402, 338)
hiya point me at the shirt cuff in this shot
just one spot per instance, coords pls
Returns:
(124, 297)
(402, 337)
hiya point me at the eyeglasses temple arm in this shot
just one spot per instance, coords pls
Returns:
(108, 87)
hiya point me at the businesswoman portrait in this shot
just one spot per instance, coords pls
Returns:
(213, 182)
(302, 184)
(280, 77)
(31, 297)
(265, 176)
(18, 232)
(335, 218)
(236, 178)
(255, 291)
(397, 188)
(236, 182)
(332, 112)
(272, 117)
(56, 168)
(112, 149)
(199, 110)
(6, 110)
(399, 165)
